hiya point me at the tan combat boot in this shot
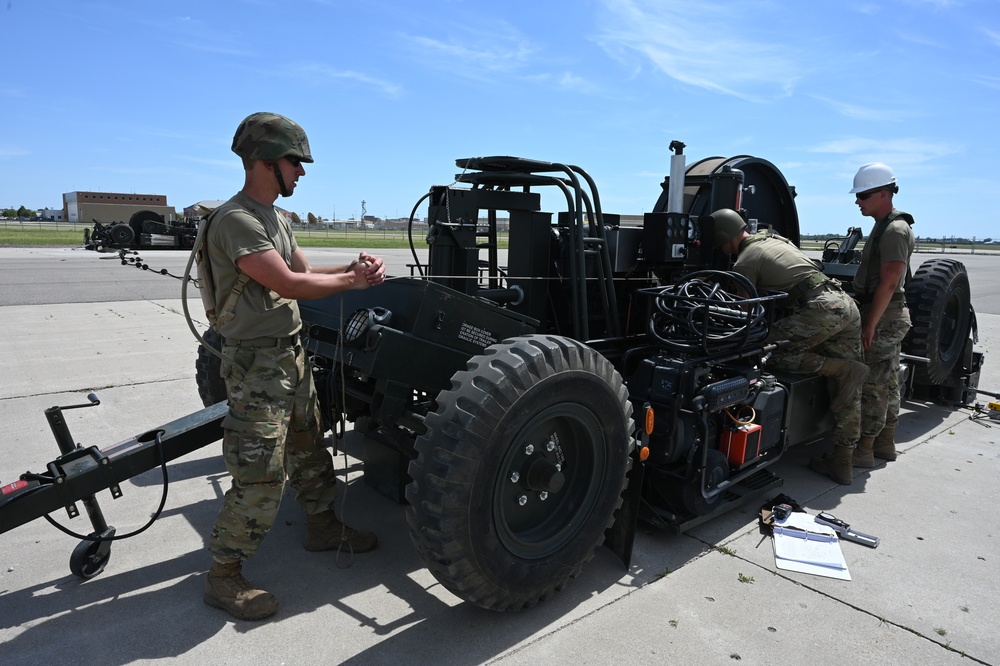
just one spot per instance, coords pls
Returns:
(863, 453)
(226, 588)
(836, 465)
(325, 532)
(885, 444)
(850, 375)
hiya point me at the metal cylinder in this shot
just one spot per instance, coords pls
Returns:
(727, 186)
(675, 193)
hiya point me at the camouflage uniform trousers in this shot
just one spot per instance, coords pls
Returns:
(880, 395)
(271, 431)
(828, 325)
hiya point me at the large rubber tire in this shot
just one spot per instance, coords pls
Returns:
(143, 221)
(121, 235)
(520, 471)
(938, 298)
(208, 371)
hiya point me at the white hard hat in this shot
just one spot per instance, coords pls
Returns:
(871, 176)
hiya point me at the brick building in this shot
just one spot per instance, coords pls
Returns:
(107, 207)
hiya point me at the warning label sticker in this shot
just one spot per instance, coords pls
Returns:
(476, 335)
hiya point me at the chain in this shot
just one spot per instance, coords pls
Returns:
(138, 263)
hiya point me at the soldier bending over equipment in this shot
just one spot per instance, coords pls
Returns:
(822, 323)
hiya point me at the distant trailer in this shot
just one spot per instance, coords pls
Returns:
(144, 230)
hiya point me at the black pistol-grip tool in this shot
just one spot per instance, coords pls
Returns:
(845, 531)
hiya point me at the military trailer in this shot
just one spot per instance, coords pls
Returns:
(528, 410)
(145, 230)
(603, 373)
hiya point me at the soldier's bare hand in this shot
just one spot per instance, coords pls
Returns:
(359, 270)
(376, 268)
(867, 335)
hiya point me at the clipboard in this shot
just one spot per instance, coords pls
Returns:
(803, 545)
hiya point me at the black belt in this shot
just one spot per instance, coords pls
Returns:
(262, 342)
(865, 299)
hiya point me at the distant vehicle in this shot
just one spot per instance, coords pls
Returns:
(145, 230)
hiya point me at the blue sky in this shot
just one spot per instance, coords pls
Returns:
(139, 96)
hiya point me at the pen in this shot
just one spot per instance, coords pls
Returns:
(804, 534)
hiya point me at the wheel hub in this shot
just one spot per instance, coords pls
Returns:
(552, 477)
(543, 475)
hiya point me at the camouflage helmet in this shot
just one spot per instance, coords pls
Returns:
(728, 223)
(269, 137)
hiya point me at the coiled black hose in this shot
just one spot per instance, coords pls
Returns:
(709, 312)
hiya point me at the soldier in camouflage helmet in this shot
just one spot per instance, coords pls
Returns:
(269, 137)
(819, 318)
(272, 431)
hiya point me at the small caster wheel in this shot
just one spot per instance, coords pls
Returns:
(89, 558)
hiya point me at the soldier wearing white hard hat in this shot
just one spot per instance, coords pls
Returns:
(879, 287)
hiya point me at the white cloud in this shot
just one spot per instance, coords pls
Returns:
(490, 52)
(938, 4)
(919, 39)
(473, 52)
(575, 83)
(873, 113)
(898, 153)
(702, 44)
(316, 72)
(215, 49)
(988, 81)
(853, 110)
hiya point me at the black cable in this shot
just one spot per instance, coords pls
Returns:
(409, 234)
(138, 263)
(119, 537)
(710, 312)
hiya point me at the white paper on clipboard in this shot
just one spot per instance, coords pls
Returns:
(819, 555)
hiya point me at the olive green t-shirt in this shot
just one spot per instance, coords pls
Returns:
(239, 227)
(772, 263)
(895, 244)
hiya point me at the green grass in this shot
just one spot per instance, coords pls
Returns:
(16, 236)
(11, 236)
(357, 240)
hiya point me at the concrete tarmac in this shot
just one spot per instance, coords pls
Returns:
(926, 595)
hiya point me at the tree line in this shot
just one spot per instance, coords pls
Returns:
(19, 212)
